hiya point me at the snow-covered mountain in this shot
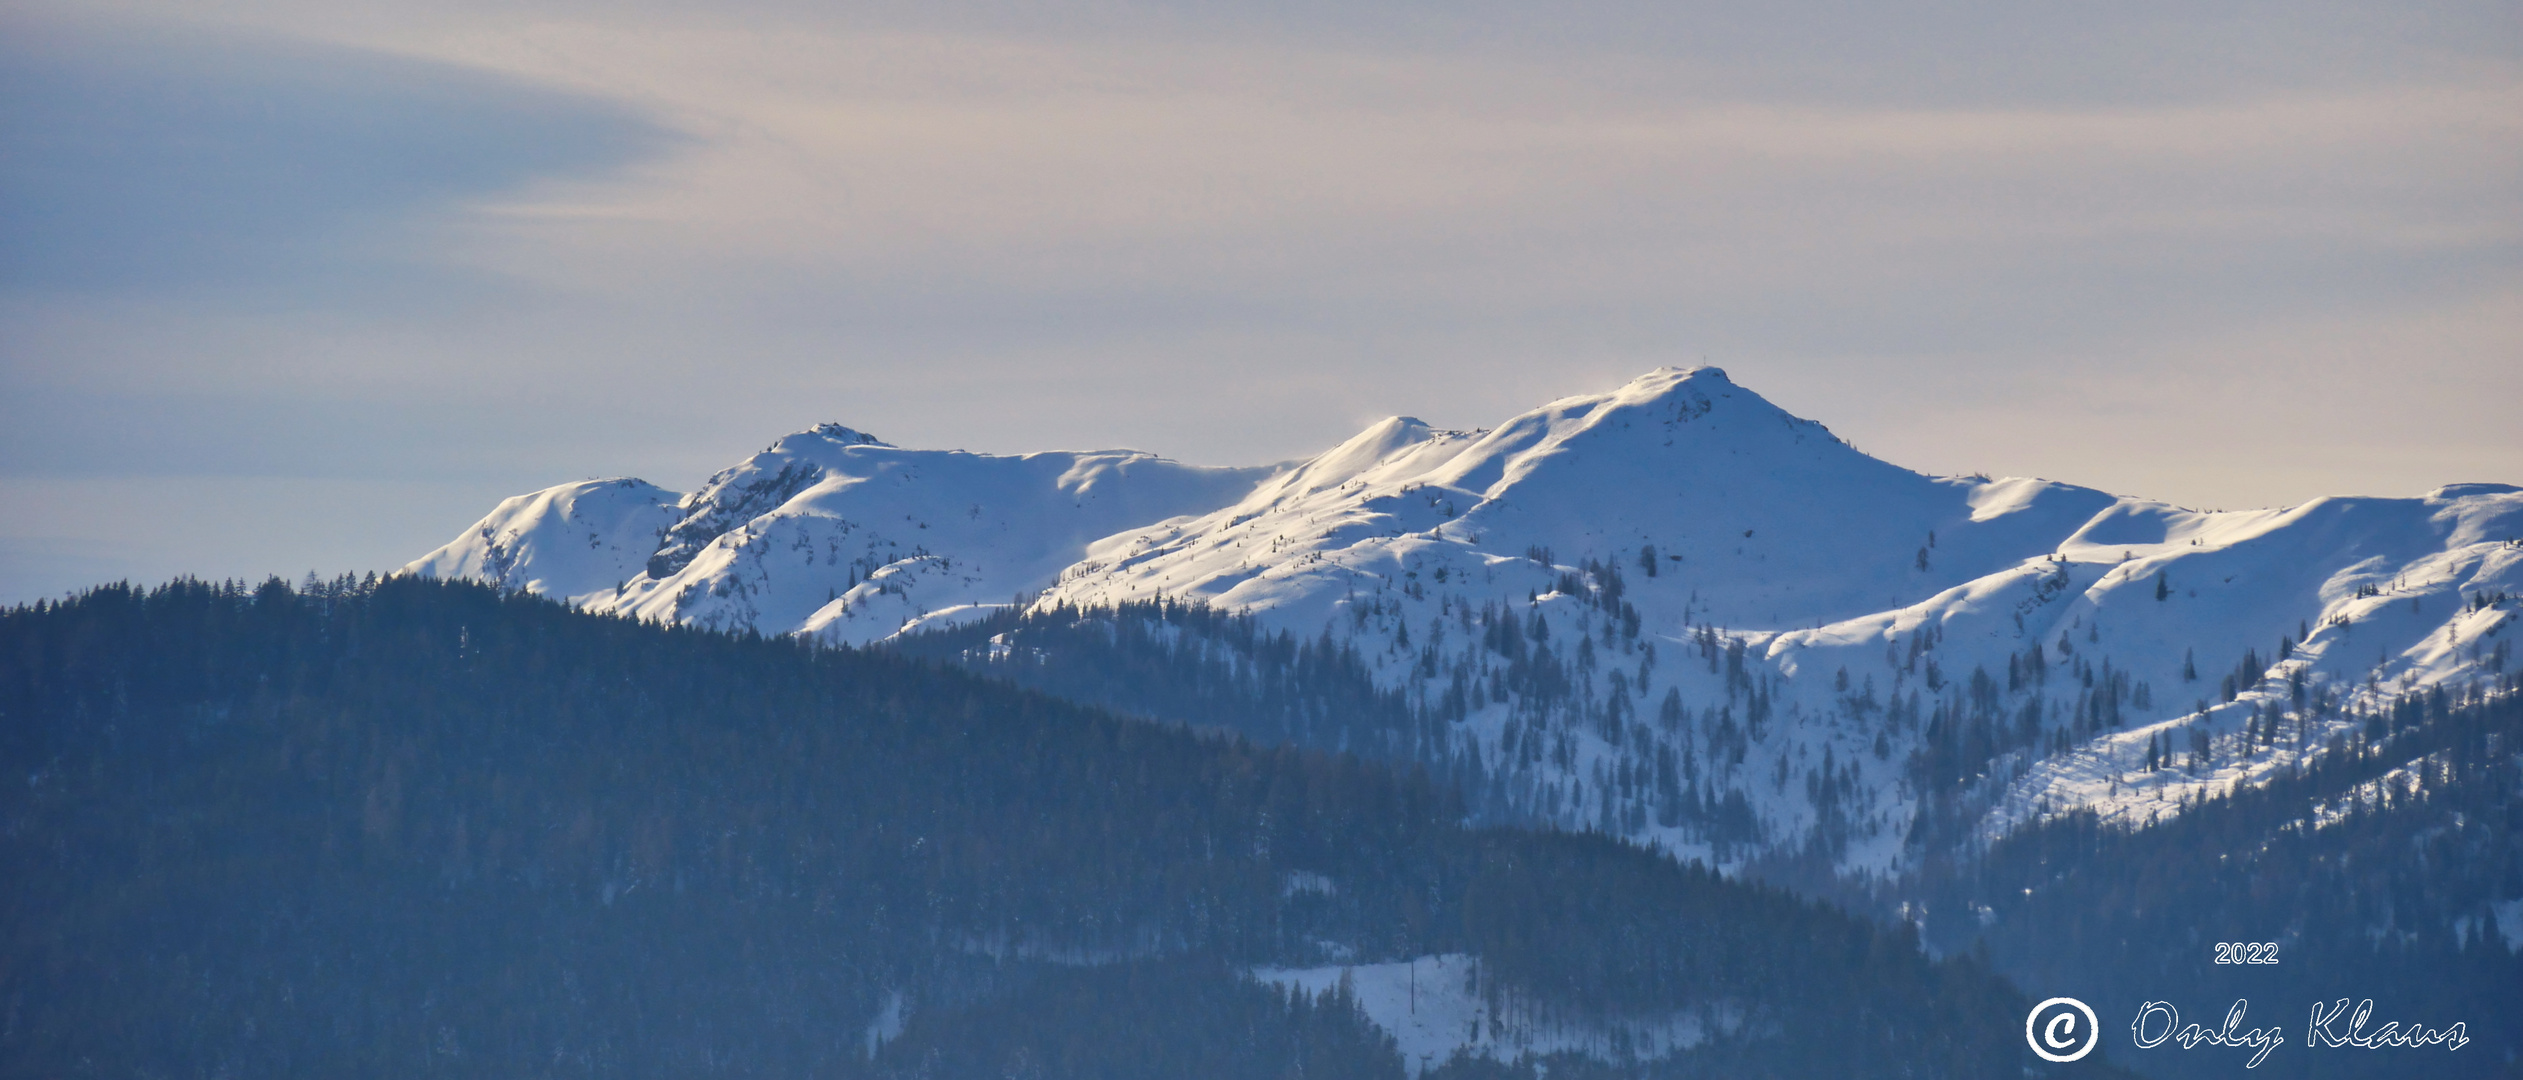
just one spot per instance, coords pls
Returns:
(1672, 611)
(831, 533)
(573, 541)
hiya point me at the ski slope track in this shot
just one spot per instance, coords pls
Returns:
(1672, 611)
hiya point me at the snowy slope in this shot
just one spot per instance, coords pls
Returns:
(1671, 611)
(1864, 598)
(1756, 517)
(835, 534)
(571, 541)
(2388, 597)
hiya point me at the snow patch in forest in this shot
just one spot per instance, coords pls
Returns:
(888, 1024)
(2510, 923)
(1434, 1008)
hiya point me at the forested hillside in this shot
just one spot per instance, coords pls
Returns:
(419, 828)
(2389, 867)
(1187, 662)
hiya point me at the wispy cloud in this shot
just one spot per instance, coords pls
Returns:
(156, 158)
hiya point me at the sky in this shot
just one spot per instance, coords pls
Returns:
(289, 286)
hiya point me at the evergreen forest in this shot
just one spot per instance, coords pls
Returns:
(2376, 869)
(413, 828)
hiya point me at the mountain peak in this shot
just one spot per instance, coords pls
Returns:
(1702, 372)
(1697, 409)
(1669, 380)
(1692, 385)
(845, 435)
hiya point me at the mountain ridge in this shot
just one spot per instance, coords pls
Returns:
(1628, 604)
